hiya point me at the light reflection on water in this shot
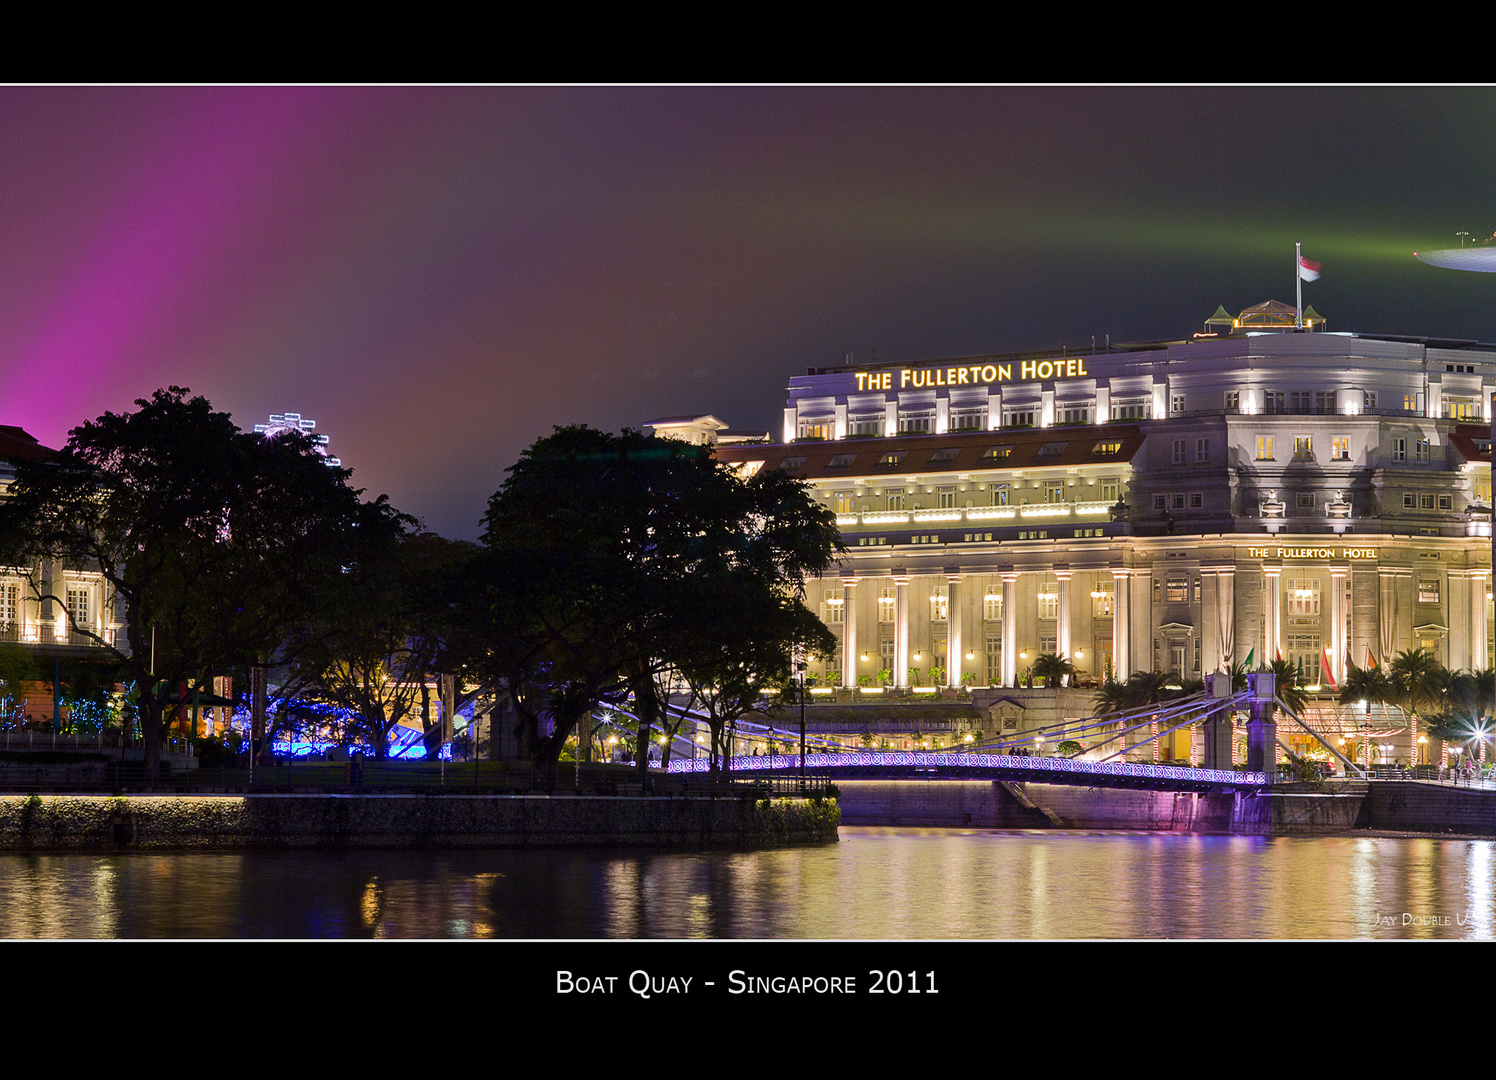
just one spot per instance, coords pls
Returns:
(877, 883)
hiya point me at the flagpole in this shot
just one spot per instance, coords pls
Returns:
(1298, 286)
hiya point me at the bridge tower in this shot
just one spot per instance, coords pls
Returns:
(1262, 730)
(1218, 733)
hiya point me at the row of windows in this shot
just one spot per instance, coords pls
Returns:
(1277, 402)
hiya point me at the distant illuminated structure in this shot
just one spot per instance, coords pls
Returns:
(280, 423)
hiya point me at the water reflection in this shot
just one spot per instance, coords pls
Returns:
(877, 883)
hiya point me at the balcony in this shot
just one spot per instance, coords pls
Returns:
(49, 634)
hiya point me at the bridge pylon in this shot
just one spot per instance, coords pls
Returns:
(1217, 727)
(1262, 729)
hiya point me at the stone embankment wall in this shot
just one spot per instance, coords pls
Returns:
(991, 804)
(186, 822)
(1291, 810)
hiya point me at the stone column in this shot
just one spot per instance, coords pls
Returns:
(1338, 643)
(1062, 613)
(1478, 642)
(849, 632)
(1121, 625)
(1225, 582)
(1458, 588)
(1272, 612)
(901, 629)
(1010, 627)
(954, 653)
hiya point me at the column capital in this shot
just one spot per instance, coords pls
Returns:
(1272, 569)
(954, 577)
(1063, 575)
(901, 579)
(1122, 573)
(1010, 576)
(1339, 569)
(850, 580)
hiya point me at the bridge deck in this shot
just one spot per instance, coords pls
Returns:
(916, 765)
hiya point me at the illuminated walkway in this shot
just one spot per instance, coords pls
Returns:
(917, 765)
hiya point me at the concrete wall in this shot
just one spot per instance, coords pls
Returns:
(177, 822)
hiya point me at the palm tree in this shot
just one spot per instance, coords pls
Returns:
(1367, 684)
(1053, 669)
(1289, 686)
(1418, 681)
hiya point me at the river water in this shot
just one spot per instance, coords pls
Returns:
(878, 883)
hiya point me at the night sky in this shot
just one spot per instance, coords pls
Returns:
(439, 276)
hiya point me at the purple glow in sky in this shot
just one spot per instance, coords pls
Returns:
(437, 276)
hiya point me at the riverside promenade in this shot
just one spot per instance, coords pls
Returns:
(150, 822)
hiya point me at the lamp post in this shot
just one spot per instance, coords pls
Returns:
(801, 665)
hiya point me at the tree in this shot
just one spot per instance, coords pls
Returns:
(1053, 669)
(215, 544)
(379, 653)
(610, 557)
(1418, 681)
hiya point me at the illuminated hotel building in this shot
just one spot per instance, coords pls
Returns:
(1172, 506)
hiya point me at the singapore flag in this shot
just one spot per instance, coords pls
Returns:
(1308, 271)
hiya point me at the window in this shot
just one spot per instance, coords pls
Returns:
(1197, 500)
(1160, 502)
(1410, 501)
(1264, 448)
(1399, 449)
(893, 457)
(1428, 590)
(1272, 401)
(1340, 448)
(1054, 491)
(834, 609)
(1303, 596)
(992, 604)
(887, 600)
(1410, 402)
(994, 660)
(945, 498)
(10, 604)
(885, 653)
(1023, 417)
(917, 423)
(1136, 409)
(1202, 451)
(1426, 501)
(1048, 645)
(1304, 500)
(1049, 599)
(940, 598)
(77, 606)
(998, 453)
(897, 499)
(944, 454)
(1233, 401)
(1422, 452)
(844, 502)
(1446, 502)
(1178, 452)
(1303, 652)
(1107, 449)
(1324, 401)
(1368, 399)
(1462, 409)
(968, 419)
(1034, 534)
(1177, 591)
(817, 428)
(1176, 500)
(1052, 449)
(1176, 404)
(1110, 489)
(1075, 414)
(1303, 449)
(999, 494)
(864, 426)
(1106, 600)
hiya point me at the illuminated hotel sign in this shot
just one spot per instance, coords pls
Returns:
(1311, 553)
(970, 374)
